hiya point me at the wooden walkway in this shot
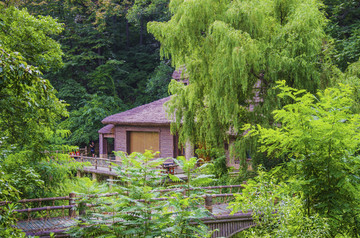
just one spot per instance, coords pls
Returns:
(226, 225)
(105, 167)
(43, 227)
(66, 216)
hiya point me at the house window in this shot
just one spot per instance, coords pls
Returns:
(140, 141)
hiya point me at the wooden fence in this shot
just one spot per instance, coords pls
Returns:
(57, 218)
(97, 162)
(45, 212)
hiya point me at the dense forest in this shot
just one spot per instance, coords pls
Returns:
(67, 64)
(110, 62)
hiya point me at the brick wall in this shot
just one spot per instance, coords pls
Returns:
(166, 143)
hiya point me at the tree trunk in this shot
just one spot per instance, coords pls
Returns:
(127, 34)
(141, 31)
(99, 53)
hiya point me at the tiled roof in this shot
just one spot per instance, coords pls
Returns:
(149, 114)
(108, 129)
(180, 74)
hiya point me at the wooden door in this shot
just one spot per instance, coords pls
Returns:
(141, 141)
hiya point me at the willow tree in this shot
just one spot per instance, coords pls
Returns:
(227, 47)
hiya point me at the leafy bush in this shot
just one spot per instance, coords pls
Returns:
(8, 193)
(277, 209)
(86, 121)
(138, 210)
(157, 85)
(7, 222)
(319, 135)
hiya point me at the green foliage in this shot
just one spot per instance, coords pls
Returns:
(33, 179)
(140, 63)
(352, 77)
(227, 46)
(181, 213)
(24, 177)
(86, 121)
(8, 193)
(189, 166)
(277, 209)
(157, 85)
(29, 113)
(319, 135)
(30, 36)
(103, 78)
(29, 107)
(245, 148)
(148, 9)
(220, 168)
(84, 186)
(106, 53)
(135, 211)
(344, 27)
(7, 222)
(136, 11)
(72, 93)
(28, 104)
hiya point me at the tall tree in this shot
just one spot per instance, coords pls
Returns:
(229, 46)
(29, 35)
(27, 101)
(104, 60)
(319, 135)
(29, 107)
(344, 27)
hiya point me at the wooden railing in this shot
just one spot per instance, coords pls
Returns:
(209, 201)
(106, 164)
(209, 188)
(48, 210)
(96, 161)
(74, 201)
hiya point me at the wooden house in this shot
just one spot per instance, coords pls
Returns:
(148, 127)
(141, 128)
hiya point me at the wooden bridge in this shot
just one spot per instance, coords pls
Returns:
(97, 166)
(57, 219)
(105, 167)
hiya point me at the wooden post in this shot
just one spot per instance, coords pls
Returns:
(189, 150)
(96, 163)
(78, 174)
(110, 181)
(72, 211)
(109, 165)
(82, 209)
(94, 176)
(208, 202)
(82, 158)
